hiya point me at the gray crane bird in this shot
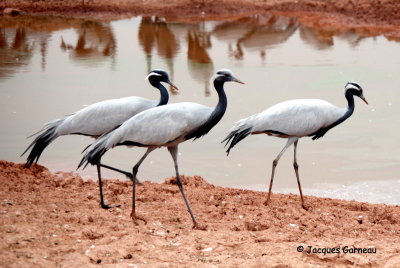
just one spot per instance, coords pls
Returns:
(165, 126)
(97, 119)
(293, 120)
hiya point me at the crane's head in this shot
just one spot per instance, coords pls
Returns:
(160, 76)
(225, 75)
(355, 89)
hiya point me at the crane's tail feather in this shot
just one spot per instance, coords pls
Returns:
(84, 149)
(235, 137)
(38, 146)
(94, 152)
(45, 136)
(48, 125)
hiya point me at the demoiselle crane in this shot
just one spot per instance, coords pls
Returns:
(293, 120)
(97, 119)
(165, 126)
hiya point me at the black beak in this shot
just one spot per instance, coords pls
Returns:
(363, 98)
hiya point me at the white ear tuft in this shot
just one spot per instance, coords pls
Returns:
(224, 71)
(352, 85)
(151, 74)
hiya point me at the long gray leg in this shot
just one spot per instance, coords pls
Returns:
(102, 204)
(296, 169)
(129, 175)
(275, 163)
(174, 153)
(134, 173)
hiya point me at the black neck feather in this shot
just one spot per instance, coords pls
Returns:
(350, 109)
(164, 97)
(216, 115)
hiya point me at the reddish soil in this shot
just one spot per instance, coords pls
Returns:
(367, 17)
(50, 220)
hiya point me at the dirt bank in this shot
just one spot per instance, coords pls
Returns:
(52, 220)
(367, 17)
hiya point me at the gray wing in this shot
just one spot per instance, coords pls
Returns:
(294, 118)
(161, 125)
(98, 118)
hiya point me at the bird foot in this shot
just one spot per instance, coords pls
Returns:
(136, 218)
(305, 207)
(104, 206)
(202, 227)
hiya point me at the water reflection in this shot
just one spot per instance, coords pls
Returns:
(200, 65)
(315, 37)
(95, 43)
(154, 33)
(255, 33)
(21, 36)
(16, 49)
(146, 37)
(251, 33)
(352, 38)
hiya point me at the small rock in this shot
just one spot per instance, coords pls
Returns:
(92, 235)
(235, 228)
(255, 226)
(11, 11)
(128, 256)
(262, 240)
(8, 202)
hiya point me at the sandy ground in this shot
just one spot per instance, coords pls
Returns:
(54, 220)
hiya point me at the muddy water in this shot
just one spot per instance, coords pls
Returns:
(50, 67)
